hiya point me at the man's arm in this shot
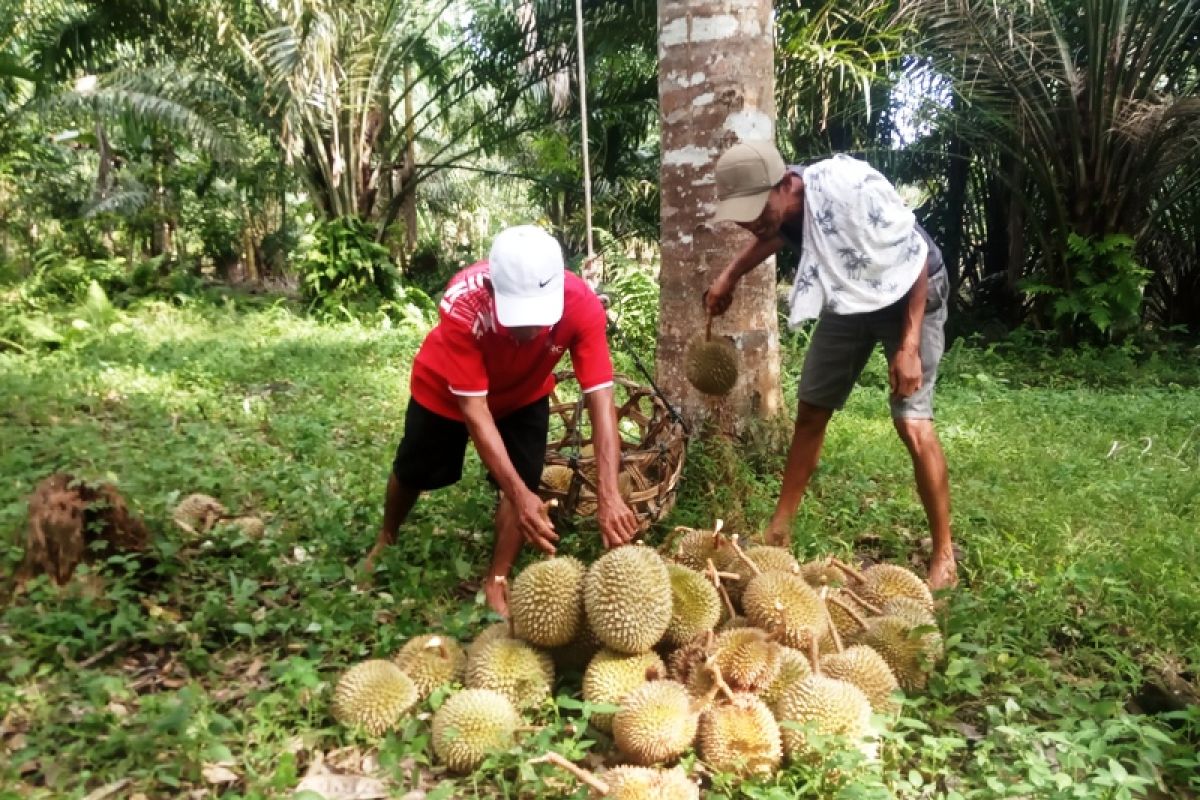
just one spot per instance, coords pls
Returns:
(720, 292)
(481, 427)
(618, 524)
(904, 373)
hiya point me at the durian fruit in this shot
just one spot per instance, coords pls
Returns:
(557, 477)
(735, 622)
(251, 527)
(470, 725)
(546, 601)
(431, 660)
(793, 667)
(711, 365)
(373, 694)
(843, 606)
(627, 597)
(747, 658)
(909, 653)
(823, 572)
(631, 783)
(830, 706)
(657, 722)
(691, 656)
(740, 736)
(882, 582)
(912, 610)
(493, 632)
(513, 668)
(611, 676)
(197, 513)
(781, 602)
(866, 669)
(695, 606)
(763, 558)
(696, 547)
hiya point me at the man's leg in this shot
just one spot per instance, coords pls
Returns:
(508, 544)
(933, 485)
(399, 501)
(809, 436)
(524, 434)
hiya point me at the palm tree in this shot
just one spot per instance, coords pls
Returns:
(1093, 105)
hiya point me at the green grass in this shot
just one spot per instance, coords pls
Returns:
(1079, 560)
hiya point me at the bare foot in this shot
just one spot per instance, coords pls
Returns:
(494, 592)
(943, 572)
(777, 536)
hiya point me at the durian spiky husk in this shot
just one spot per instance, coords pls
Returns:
(627, 597)
(747, 658)
(822, 572)
(711, 366)
(767, 558)
(695, 606)
(546, 601)
(497, 630)
(197, 513)
(611, 676)
(696, 547)
(470, 725)
(431, 660)
(910, 655)
(793, 668)
(656, 723)
(830, 706)
(885, 581)
(846, 626)
(910, 609)
(509, 666)
(781, 602)
(647, 783)
(866, 669)
(740, 736)
(373, 694)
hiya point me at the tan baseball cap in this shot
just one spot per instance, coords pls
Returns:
(745, 174)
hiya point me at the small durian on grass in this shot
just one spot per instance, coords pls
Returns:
(470, 725)
(374, 695)
(431, 660)
(738, 734)
(657, 723)
(630, 783)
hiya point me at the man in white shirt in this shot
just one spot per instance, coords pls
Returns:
(870, 274)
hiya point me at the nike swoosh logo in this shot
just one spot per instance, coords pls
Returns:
(542, 284)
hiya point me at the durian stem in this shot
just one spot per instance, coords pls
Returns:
(720, 523)
(719, 684)
(754, 569)
(814, 654)
(833, 631)
(579, 772)
(849, 570)
(858, 598)
(715, 577)
(708, 328)
(854, 615)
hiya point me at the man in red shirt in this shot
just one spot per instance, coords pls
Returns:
(485, 373)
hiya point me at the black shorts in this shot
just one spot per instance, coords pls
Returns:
(431, 453)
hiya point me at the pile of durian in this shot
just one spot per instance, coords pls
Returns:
(704, 645)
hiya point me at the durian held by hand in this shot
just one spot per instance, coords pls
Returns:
(711, 364)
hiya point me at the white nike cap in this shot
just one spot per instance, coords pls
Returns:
(527, 277)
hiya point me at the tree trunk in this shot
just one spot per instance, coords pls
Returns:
(716, 88)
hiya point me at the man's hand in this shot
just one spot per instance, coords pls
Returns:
(719, 296)
(618, 523)
(904, 373)
(534, 522)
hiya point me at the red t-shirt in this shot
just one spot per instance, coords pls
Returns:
(469, 353)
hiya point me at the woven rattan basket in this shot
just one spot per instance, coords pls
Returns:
(652, 452)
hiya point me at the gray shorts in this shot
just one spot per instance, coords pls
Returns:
(842, 343)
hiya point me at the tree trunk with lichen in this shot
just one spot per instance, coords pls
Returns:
(716, 88)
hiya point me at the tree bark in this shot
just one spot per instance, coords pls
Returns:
(716, 88)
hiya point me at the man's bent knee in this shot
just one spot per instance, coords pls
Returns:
(917, 434)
